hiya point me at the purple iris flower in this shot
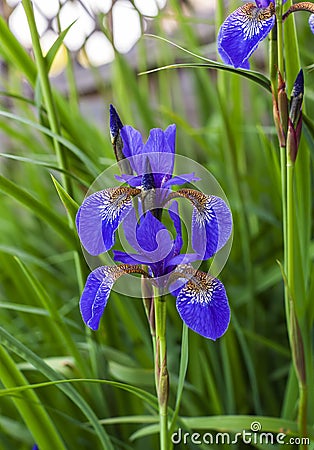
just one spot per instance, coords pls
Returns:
(246, 27)
(201, 299)
(243, 30)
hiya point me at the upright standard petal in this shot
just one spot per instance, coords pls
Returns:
(211, 222)
(242, 31)
(202, 304)
(100, 215)
(97, 290)
(132, 147)
(160, 147)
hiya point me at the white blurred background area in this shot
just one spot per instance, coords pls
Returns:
(102, 29)
(99, 27)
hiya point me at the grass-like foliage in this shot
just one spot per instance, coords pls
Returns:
(63, 386)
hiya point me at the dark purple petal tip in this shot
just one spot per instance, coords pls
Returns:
(115, 124)
(203, 306)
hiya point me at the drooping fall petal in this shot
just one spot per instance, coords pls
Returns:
(211, 221)
(100, 215)
(242, 31)
(97, 290)
(202, 304)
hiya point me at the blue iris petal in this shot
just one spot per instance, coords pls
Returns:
(153, 236)
(205, 233)
(96, 293)
(181, 179)
(130, 179)
(174, 214)
(150, 239)
(211, 222)
(241, 33)
(311, 22)
(159, 148)
(132, 146)
(202, 304)
(183, 258)
(129, 258)
(97, 290)
(100, 215)
(265, 3)
(262, 3)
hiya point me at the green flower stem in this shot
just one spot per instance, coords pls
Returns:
(273, 58)
(28, 404)
(284, 223)
(273, 70)
(161, 371)
(280, 48)
(291, 236)
(148, 302)
(302, 413)
(295, 335)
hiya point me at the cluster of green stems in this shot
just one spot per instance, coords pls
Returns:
(288, 149)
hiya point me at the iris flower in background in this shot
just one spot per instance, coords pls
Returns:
(311, 22)
(243, 30)
(201, 299)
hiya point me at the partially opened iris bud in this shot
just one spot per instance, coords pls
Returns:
(280, 111)
(282, 104)
(297, 99)
(295, 117)
(116, 126)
